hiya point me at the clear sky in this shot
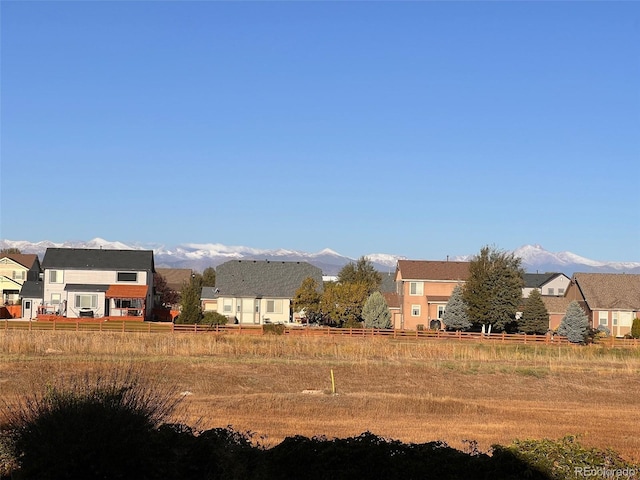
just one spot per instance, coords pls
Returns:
(421, 129)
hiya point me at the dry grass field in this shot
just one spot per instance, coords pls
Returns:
(413, 391)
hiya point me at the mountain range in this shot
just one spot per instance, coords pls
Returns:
(199, 256)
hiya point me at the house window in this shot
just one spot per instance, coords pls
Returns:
(55, 299)
(127, 276)
(19, 274)
(27, 305)
(274, 306)
(603, 318)
(615, 319)
(561, 291)
(257, 305)
(227, 306)
(415, 310)
(415, 288)
(55, 276)
(441, 310)
(86, 301)
(550, 291)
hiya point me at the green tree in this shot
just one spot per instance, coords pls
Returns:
(363, 272)
(375, 312)
(341, 303)
(574, 324)
(455, 314)
(307, 299)
(209, 277)
(190, 310)
(635, 328)
(535, 317)
(494, 289)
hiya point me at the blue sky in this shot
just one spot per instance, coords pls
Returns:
(422, 129)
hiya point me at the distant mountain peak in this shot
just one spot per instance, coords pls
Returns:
(199, 256)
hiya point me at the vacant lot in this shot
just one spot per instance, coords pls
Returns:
(279, 386)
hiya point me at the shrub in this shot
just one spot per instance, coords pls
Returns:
(558, 459)
(214, 318)
(635, 328)
(273, 328)
(85, 428)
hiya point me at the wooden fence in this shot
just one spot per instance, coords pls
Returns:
(168, 327)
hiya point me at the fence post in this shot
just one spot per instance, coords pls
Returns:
(503, 337)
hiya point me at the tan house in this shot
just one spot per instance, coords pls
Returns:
(610, 299)
(556, 308)
(424, 288)
(15, 270)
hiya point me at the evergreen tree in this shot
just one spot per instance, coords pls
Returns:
(361, 272)
(376, 312)
(535, 317)
(307, 298)
(190, 311)
(494, 289)
(635, 328)
(209, 277)
(455, 314)
(575, 324)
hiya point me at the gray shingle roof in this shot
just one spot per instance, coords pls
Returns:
(609, 291)
(209, 293)
(252, 278)
(537, 280)
(98, 259)
(32, 290)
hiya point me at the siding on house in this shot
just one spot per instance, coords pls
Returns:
(424, 288)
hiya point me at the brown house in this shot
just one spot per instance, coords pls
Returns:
(424, 288)
(610, 299)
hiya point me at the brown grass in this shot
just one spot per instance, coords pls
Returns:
(410, 391)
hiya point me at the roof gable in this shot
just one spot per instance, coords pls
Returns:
(432, 270)
(609, 291)
(252, 278)
(537, 280)
(98, 259)
(27, 260)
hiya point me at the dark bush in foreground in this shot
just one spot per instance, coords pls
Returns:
(90, 428)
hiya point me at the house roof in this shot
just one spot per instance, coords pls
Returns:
(433, 270)
(85, 287)
(609, 291)
(392, 299)
(127, 291)
(175, 277)
(209, 293)
(27, 260)
(253, 278)
(32, 289)
(555, 304)
(537, 280)
(98, 259)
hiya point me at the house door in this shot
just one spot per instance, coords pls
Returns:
(27, 306)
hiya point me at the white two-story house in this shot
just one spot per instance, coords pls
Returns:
(97, 283)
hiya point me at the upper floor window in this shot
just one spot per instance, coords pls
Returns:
(127, 276)
(561, 291)
(416, 288)
(550, 291)
(55, 276)
(19, 275)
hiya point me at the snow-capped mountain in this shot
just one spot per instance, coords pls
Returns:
(199, 256)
